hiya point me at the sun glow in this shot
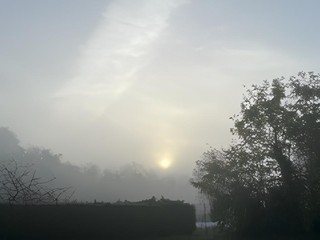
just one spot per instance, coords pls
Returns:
(165, 163)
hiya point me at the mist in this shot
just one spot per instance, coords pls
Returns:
(131, 93)
(131, 182)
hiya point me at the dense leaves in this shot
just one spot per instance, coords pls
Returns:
(268, 180)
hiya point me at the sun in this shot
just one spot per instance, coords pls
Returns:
(165, 163)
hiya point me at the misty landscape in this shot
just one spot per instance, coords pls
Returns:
(159, 119)
(131, 182)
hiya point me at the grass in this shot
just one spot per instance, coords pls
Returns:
(211, 233)
(199, 234)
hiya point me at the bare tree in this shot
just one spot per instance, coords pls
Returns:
(19, 184)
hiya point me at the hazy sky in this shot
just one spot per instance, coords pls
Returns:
(114, 82)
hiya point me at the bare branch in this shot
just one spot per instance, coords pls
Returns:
(20, 185)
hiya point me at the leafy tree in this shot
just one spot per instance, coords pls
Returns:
(269, 177)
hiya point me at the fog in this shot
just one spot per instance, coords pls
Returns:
(131, 93)
(90, 183)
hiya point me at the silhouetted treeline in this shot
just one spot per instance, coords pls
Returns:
(128, 220)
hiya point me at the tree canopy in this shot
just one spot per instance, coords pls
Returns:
(268, 180)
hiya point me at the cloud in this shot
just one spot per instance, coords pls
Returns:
(117, 50)
(144, 88)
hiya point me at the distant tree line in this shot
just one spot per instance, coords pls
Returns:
(30, 201)
(88, 182)
(20, 183)
(268, 180)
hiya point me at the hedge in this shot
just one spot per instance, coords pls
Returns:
(96, 221)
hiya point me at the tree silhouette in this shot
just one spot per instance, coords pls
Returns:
(19, 184)
(269, 177)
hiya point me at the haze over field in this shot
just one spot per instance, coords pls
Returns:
(153, 82)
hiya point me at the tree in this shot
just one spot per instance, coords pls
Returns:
(19, 181)
(20, 185)
(269, 177)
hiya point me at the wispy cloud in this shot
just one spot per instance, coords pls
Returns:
(150, 81)
(115, 53)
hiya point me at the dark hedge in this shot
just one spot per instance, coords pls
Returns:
(96, 221)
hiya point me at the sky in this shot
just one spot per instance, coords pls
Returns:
(147, 81)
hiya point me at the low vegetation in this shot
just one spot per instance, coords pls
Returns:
(121, 220)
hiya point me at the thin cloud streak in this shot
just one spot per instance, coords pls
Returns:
(115, 53)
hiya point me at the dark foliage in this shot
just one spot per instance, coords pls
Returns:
(268, 181)
(97, 221)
